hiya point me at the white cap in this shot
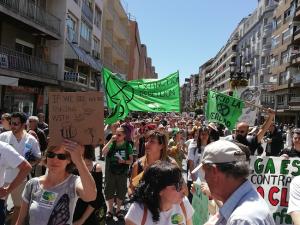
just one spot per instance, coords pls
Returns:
(221, 151)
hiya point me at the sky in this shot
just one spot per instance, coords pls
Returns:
(184, 34)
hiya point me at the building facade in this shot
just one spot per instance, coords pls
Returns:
(285, 61)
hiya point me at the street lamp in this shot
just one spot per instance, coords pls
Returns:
(240, 75)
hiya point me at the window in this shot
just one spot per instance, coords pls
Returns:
(275, 41)
(286, 34)
(71, 28)
(85, 31)
(24, 47)
(97, 18)
(284, 57)
(96, 44)
(280, 99)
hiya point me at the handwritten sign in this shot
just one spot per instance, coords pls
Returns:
(272, 177)
(77, 116)
(200, 205)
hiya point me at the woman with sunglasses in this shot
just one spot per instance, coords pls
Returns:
(155, 149)
(118, 154)
(51, 198)
(159, 198)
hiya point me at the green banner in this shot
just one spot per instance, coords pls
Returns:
(146, 95)
(119, 112)
(223, 109)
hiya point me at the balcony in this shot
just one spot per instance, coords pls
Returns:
(297, 13)
(282, 106)
(267, 30)
(122, 52)
(13, 60)
(87, 12)
(86, 45)
(30, 11)
(295, 101)
(295, 59)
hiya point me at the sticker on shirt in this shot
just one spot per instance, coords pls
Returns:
(47, 199)
(177, 219)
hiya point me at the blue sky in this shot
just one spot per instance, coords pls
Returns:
(182, 35)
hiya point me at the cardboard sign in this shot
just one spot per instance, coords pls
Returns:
(77, 116)
(271, 177)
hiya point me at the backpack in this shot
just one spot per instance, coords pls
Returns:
(145, 213)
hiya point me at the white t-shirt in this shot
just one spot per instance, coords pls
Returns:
(294, 200)
(27, 143)
(170, 217)
(194, 156)
(9, 158)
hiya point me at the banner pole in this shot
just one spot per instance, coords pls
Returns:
(257, 106)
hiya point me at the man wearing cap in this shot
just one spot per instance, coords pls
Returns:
(252, 141)
(294, 151)
(225, 167)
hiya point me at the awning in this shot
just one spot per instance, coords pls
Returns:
(73, 51)
(9, 81)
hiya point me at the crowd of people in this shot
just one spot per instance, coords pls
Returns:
(144, 162)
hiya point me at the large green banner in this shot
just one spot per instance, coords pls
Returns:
(147, 95)
(223, 109)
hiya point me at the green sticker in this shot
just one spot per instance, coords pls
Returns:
(176, 218)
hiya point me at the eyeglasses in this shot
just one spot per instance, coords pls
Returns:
(60, 156)
(14, 124)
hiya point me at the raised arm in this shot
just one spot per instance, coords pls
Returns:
(266, 125)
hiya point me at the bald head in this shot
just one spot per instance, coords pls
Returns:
(242, 128)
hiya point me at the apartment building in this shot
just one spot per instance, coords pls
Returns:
(204, 74)
(219, 77)
(185, 91)
(30, 32)
(254, 46)
(82, 44)
(116, 38)
(285, 61)
(47, 46)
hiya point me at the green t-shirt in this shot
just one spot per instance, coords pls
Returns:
(117, 152)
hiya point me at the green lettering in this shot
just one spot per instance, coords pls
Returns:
(296, 163)
(283, 167)
(270, 168)
(258, 167)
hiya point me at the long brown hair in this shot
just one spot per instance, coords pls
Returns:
(162, 140)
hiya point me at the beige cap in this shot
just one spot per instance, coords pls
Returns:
(221, 151)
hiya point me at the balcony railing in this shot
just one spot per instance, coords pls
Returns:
(297, 32)
(32, 12)
(86, 45)
(87, 12)
(295, 100)
(13, 60)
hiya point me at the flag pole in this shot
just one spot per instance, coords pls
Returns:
(257, 106)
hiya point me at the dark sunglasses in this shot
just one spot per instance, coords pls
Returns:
(60, 156)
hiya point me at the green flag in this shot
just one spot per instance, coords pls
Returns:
(119, 112)
(147, 95)
(223, 109)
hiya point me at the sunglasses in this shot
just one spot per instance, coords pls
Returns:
(60, 156)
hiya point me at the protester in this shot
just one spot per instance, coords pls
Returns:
(42, 139)
(27, 146)
(195, 149)
(10, 158)
(225, 168)
(91, 213)
(5, 122)
(118, 154)
(155, 149)
(274, 141)
(41, 124)
(51, 198)
(294, 200)
(176, 147)
(294, 151)
(159, 199)
(213, 132)
(252, 141)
